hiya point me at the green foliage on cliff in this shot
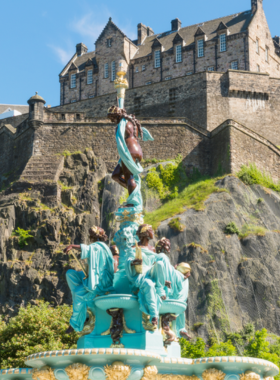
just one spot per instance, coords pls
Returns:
(167, 180)
(245, 343)
(23, 236)
(251, 175)
(34, 329)
(176, 225)
(193, 196)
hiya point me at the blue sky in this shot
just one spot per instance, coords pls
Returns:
(39, 37)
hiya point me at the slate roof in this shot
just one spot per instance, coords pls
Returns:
(81, 61)
(22, 109)
(236, 23)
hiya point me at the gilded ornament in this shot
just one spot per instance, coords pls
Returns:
(89, 324)
(118, 324)
(145, 228)
(77, 371)
(45, 373)
(117, 371)
(213, 374)
(147, 324)
(150, 373)
(249, 375)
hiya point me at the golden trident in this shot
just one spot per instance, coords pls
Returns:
(80, 264)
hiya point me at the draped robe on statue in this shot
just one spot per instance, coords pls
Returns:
(99, 281)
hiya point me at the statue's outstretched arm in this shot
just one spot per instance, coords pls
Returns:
(72, 246)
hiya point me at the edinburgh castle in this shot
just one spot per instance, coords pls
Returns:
(209, 92)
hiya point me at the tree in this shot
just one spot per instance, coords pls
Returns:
(35, 329)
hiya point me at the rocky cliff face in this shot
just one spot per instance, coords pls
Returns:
(234, 276)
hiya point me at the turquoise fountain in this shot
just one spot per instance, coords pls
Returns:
(136, 303)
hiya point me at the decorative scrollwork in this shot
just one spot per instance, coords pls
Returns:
(117, 371)
(150, 373)
(249, 375)
(77, 371)
(213, 374)
(45, 373)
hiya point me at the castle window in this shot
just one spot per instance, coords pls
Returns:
(148, 82)
(258, 68)
(78, 116)
(168, 78)
(136, 69)
(234, 65)
(266, 54)
(200, 48)
(179, 53)
(172, 94)
(109, 42)
(257, 46)
(63, 116)
(143, 67)
(89, 77)
(157, 59)
(73, 81)
(211, 68)
(106, 70)
(189, 73)
(223, 43)
(113, 71)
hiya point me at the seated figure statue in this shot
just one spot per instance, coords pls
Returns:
(178, 279)
(100, 276)
(149, 284)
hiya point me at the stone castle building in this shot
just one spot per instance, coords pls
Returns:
(210, 92)
(239, 42)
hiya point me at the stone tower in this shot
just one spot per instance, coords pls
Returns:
(36, 110)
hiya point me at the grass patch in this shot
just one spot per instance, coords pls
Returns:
(251, 229)
(194, 245)
(66, 153)
(232, 229)
(196, 326)
(64, 187)
(251, 175)
(175, 224)
(193, 196)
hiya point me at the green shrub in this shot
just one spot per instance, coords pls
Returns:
(34, 329)
(231, 229)
(197, 325)
(23, 236)
(176, 225)
(250, 175)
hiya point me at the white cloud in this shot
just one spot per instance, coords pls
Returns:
(91, 25)
(63, 55)
(88, 26)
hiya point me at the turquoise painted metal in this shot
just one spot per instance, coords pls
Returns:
(141, 352)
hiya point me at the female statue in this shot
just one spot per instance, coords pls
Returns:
(128, 169)
(100, 276)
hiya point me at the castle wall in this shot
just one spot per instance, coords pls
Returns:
(246, 147)
(15, 149)
(170, 139)
(183, 97)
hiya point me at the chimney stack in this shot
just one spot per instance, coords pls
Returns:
(176, 24)
(255, 5)
(142, 33)
(81, 49)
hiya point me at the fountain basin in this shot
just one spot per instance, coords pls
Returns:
(120, 301)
